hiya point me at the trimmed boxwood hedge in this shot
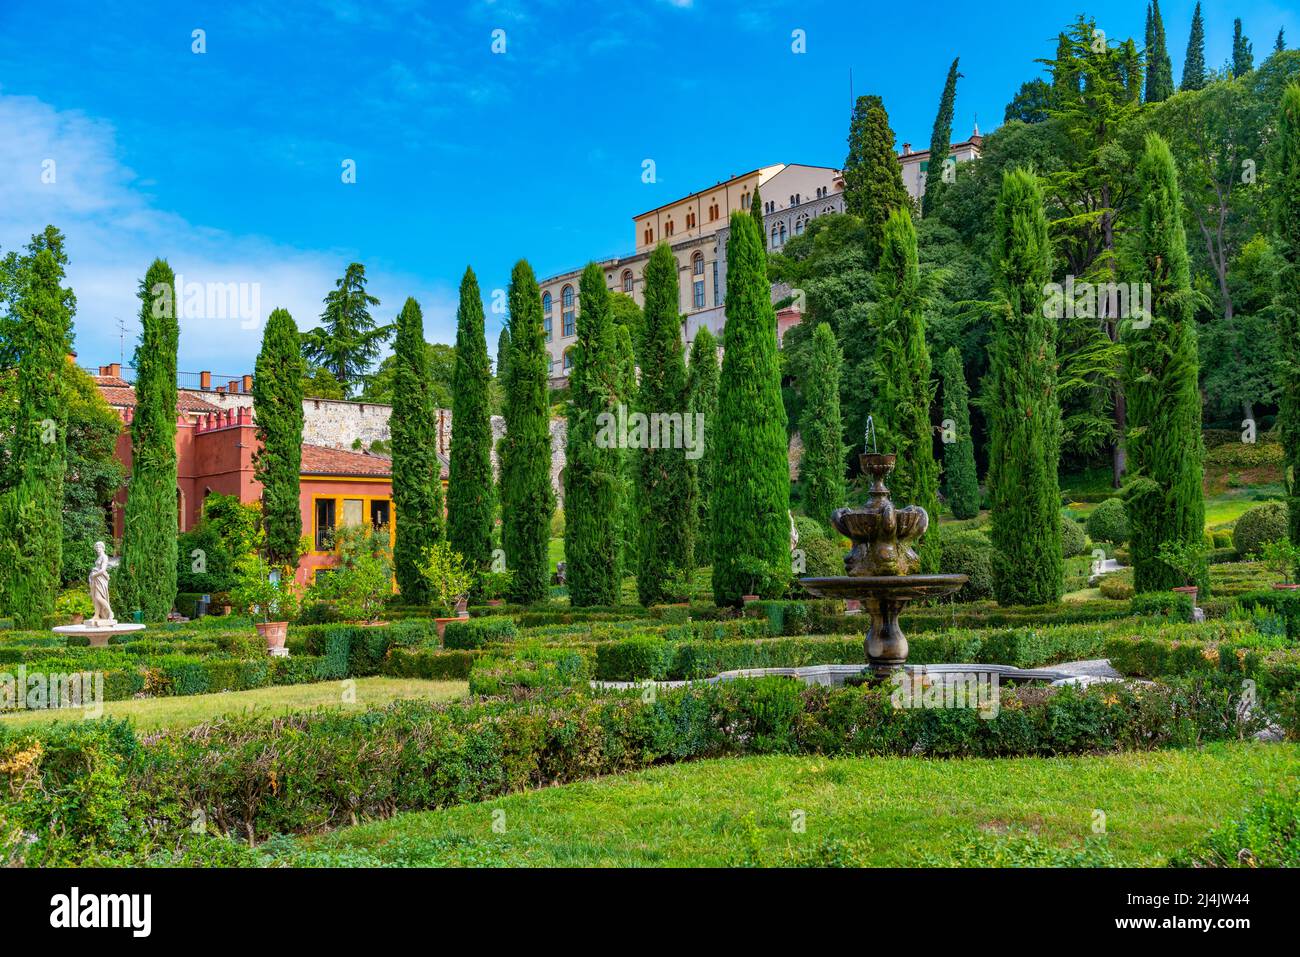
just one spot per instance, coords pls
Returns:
(93, 793)
(469, 633)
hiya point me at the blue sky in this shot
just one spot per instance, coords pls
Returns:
(228, 163)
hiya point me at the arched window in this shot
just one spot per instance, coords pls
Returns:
(783, 233)
(697, 285)
(568, 361)
(627, 281)
(649, 235)
(566, 303)
(697, 264)
(668, 228)
(800, 223)
(546, 303)
(776, 231)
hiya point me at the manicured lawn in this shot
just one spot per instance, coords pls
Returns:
(181, 712)
(875, 811)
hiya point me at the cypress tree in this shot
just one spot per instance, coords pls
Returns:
(666, 484)
(31, 541)
(751, 499)
(277, 409)
(1131, 65)
(417, 473)
(873, 179)
(470, 493)
(1280, 43)
(1164, 496)
(1194, 64)
(903, 379)
(147, 579)
(1243, 57)
(702, 384)
(961, 481)
(756, 210)
(1160, 69)
(629, 521)
(592, 463)
(940, 141)
(1021, 402)
(1286, 304)
(822, 467)
(503, 352)
(527, 498)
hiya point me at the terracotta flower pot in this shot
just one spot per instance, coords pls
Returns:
(853, 606)
(462, 608)
(496, 602)
(1188, 590)
(749, 599)
(274, 632)
(1282, 586)
(441, 625)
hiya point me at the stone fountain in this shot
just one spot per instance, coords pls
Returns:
(880, 567)
(103, 625)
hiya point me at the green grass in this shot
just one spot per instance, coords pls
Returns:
(189, 710)
(878, 811)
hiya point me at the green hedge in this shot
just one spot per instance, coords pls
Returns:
(429, 663)
(531, 669)
(92, 793)
(1175, 606)
(470, 633)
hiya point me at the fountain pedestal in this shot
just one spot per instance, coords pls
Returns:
(879, 567)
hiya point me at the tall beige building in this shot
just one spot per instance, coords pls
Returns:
(697, 227)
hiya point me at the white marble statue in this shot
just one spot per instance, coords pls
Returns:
(99, 587)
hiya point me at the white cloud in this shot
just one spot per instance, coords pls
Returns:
(114, 229)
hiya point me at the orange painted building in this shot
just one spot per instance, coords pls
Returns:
(214, 455)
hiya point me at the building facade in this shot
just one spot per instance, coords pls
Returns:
(697, 228)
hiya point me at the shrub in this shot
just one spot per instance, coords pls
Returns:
(809, 528)
(1256, 526)
(1266, 835)
(1245, 455)
(530, 669)
(428, 663)
(1109, 522)
(634, 658)
(1116, 587)
(970, 554)
(1175, 605)
(470, 633)
(823, 558)
(1073, 540)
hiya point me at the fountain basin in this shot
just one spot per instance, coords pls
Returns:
(98, 633)
(885, 597)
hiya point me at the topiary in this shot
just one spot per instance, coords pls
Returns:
(809, 528)
(823, 558)
(1263, 523)
(1073, 540)
(970, 554)
(1109, 522)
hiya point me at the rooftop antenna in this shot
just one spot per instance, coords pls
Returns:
(121, 340)
(851, 100)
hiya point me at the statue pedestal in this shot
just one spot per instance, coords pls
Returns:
(98, 630)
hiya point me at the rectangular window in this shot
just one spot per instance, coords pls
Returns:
(699, 293)
(324, 523)
(716, 301)
(568, 323)
(546, 327)
(354, 511)
(380, 513)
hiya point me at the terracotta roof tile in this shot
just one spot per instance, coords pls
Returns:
(318, 460)
(120, 393)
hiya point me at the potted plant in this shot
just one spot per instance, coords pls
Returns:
(494, 585)
(267, 595)
(74, 606)
(1281, 557)
(1188, 560)
(759, 577)
(362, 580)
(444, 569)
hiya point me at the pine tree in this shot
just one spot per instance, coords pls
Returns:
(702, 384)
(940, 141)
(1021, 404)
(470, 493)
(347, 342)
(277, 409)
(756, 210)
(1194, 64)
(1286, 304)
(961, 480)
(1243, 57)
(1164, 496)
(527, 499)
(417, 473)
(873, 179)
(1280, 43)
(629, 531)
(903, 379)
(751, 501)
(822, 430)
(666, 485)
(592, 463)
(147, 579)
(1131, 68)
(1160, 69)
(31, 541)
